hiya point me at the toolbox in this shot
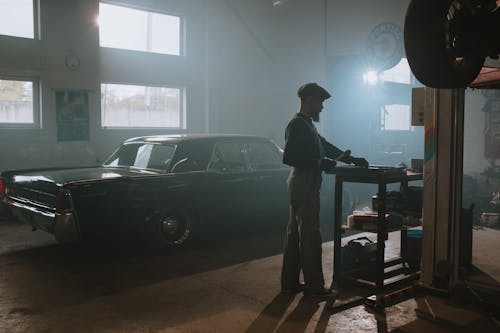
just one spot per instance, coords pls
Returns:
(359, 252)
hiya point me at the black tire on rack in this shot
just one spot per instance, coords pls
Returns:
(429, 31)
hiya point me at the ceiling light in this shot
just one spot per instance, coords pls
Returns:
(371, 77)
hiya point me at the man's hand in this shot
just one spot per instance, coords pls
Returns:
(360, 161)
(327, 164)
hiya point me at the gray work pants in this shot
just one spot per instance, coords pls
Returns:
(303, 237)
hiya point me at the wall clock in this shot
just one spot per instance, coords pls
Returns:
(72, 62)
(385, 46)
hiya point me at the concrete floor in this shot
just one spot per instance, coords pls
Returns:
(231, 285)
(486, 251)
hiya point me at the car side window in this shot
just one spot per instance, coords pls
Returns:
(192, 156)
(263, 156)
(227, 157)
(160, 156)
(143, 155)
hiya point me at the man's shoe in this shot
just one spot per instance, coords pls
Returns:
(323, 292)
(294, 290)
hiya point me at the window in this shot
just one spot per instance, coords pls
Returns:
(401, 73)
(140, 106)
(264, 155)
(192, 156)
(17, 18)
(143, 155)
(139, 30)
(395, 117)
(228, 157)
(19, 100)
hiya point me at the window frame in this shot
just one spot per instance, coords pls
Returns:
(182, 111)
(182, 26)
(37, 102)
(36, 20)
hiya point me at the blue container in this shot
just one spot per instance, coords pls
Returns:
(414, 233)
(414, 247)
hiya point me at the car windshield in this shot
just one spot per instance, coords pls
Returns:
(143, 156)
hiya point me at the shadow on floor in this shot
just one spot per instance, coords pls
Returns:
(78, 274)
(282, 316)
(299, 318)
(277, 317)
(270, 317)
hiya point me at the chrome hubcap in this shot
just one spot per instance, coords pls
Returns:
(169, 225)
(174, 229)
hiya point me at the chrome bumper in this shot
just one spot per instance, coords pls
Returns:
(62, 225)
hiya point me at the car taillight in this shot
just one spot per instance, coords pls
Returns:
(2, 186)
(63, 200)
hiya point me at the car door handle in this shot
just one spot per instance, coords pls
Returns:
(262, 177)
(236, 180)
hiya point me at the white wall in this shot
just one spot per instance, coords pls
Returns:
(350, 22)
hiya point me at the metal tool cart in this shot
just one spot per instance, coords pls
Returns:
(382, 176)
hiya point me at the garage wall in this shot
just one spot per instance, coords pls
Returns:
(244, 62)
(267, 53)
(350, 22)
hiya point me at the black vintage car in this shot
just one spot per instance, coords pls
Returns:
(168, 187)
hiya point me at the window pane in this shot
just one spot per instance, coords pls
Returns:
(166, 24)
(148, 156)
(396, 117)
(161, 157)
(139, 30)
(16, 102)
(16, 18)
(227, 157)
(192, 156)
(139, 106)
(401, 73)
(263, 155)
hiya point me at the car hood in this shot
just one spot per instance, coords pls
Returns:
(69, 175)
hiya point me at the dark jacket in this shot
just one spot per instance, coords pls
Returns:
(303, 145)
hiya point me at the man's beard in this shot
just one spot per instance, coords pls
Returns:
(315, 116)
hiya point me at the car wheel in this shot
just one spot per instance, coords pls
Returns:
(171, 228)
(429, 33)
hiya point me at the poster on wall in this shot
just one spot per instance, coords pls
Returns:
(72, 112)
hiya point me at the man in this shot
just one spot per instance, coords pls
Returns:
(308, 154)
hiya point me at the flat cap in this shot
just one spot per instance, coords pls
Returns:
(313, 89)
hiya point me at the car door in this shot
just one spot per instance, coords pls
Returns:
(268, 181)
(229, 179)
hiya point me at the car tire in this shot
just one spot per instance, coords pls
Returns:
(171, 229)
(428, 31)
